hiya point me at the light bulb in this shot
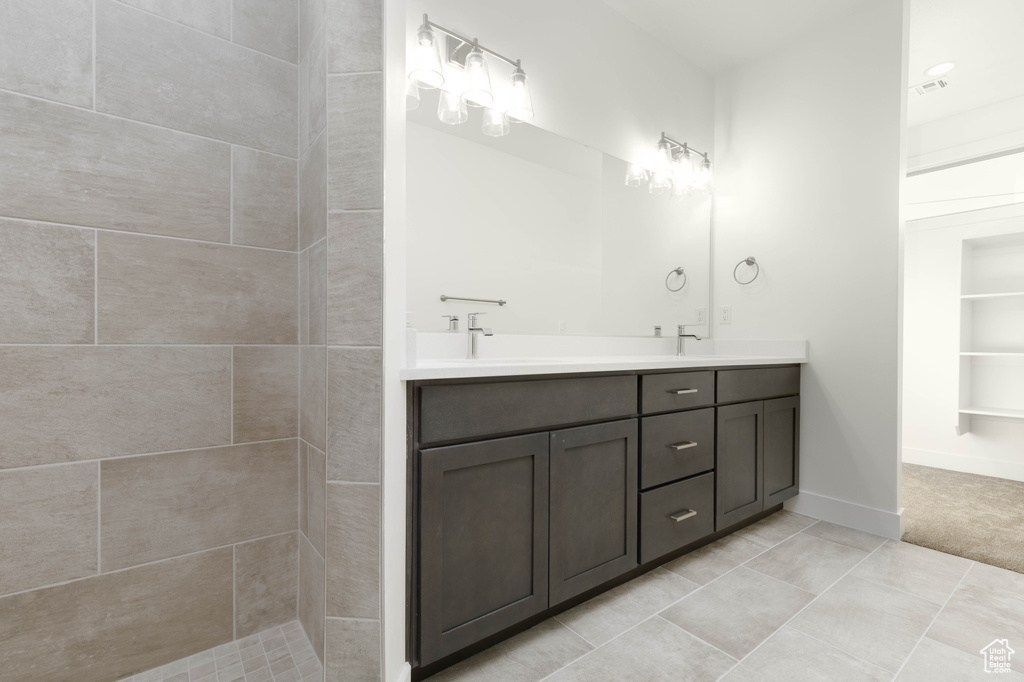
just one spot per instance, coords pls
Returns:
(682, 167)
(520, 103)
(478, 80)
(451, 108)
(426, 59)
(495, 124)
(663, 158)
(660, 183)
(412, 95)
(635, 175)
(704, 175)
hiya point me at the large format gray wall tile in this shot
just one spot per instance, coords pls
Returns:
(211, 16)
(316, 491)
(46, 283)
(313, 193)
(311, 595)
(111, 626)
(154, 290)
(354, 424)
(266, 581)
(317, 293)
(313, 396)
(66, 165)
(265, 200)
(354, 113)
(48, 534)
(311, 16)
(270, 26)
(355, 35)
(62, 404)
(266, 393)
(355, 291)
(353, 650)
(313, 91)
(152, 70)
(353, 550)
(46, 49)
(160, 506)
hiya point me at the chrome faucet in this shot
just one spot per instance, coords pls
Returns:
(473, 330)
(453, 322)
(680, 346)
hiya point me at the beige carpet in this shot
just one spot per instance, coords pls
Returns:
(976, 517)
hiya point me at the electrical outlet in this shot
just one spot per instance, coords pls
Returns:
(701, 316)
(561, 326)
(725, 314)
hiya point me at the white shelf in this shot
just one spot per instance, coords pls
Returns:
(1003, 294)
(993, 412)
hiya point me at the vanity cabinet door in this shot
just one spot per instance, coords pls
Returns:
(483, 540)
(739, 476)
(593, 507)
(781, 449)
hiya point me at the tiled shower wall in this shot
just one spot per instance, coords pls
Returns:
(149, 316)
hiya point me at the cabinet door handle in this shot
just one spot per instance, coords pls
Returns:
(683, 515)
(681, 391)
(685, 445)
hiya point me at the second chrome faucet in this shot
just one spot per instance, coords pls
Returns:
(473, 330)
(680, 337)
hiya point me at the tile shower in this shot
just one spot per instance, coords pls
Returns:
(176, 271)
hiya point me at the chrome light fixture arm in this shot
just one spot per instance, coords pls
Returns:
(470, 41)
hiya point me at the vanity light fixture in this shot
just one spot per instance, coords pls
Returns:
(677, 169)
(473, 85)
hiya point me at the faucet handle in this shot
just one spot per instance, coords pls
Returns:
(681, 329)
(453, 322)
(472, 317)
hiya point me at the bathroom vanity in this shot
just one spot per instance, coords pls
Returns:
(530, 493)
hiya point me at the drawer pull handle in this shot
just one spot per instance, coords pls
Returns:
(681, 391)
(685, 445)
(683, 515)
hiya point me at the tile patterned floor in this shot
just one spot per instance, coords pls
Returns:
(281, 654)
(789, 599)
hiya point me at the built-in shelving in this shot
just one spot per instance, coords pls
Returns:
(991, 329)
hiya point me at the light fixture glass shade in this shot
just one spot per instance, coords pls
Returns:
(520, 102)
(661, 183)
(478, 80)
(412, 95)
(636, 176)
(495, 124)
(682, 168)
(426, 71)
(451, 108)
(704, 176)
(663, 158)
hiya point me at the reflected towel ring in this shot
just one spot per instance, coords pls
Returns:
(749, 260)
(677, 271)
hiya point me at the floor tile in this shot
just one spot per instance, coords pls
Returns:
(808, 562)
(920, 571)
(739, 610)
(714, 560)
(608, 615)
(875, 623)
(845, 536)
(988, 605)
(792, 656)
(653, 651)
(935, 661)
(527, 657)
(775, 528)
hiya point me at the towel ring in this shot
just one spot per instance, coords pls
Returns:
(749, 260)
(677, 271)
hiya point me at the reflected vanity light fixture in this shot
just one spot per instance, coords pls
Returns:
(678, 169)
(464, 75)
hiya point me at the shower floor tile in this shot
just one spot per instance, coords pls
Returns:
(281, 654)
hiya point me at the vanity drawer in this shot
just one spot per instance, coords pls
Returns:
(675, 446)
(738, 385)
(456, 411)
(676, 391)
(660, 531)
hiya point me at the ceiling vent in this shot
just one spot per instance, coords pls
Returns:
(929, 86)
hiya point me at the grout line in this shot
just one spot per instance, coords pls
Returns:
(36, 98)
(937, 614)
(833, 646)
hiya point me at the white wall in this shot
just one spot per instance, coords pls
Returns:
(809, 154)
(932, 341)
(988, 130)
(983, 184)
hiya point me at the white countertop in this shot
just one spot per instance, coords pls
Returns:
(503, 367)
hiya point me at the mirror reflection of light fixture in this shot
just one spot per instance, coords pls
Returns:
(412, 95)
(451, 108)
(675, 169)
(495, 123)
(470, 80)
(426, 60)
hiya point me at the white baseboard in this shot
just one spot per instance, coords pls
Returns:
(870, 520)
(406, 673)
(963, 463)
